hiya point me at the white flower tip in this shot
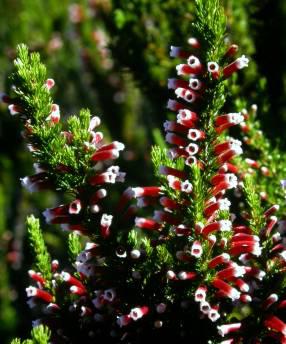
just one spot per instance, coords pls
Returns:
(12, 109)
(50, 83)
(136, 192)
(174, 51)
(182, 275)
(139, 221)
(238, 150)
(65, 275)
(205, 307)
(195, 84)
(94, 122)
(187, 186)
(135, 254)
(213, 67)
(31, 291)
(170, 275)
(179, 68)
(106, 220)
(193, 61)
(119, 145)
(193, 41)
(225, 225)
(213, 315)
(242, 62)
(171, 83)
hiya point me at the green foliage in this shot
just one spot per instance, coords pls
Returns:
(31, 76)
(160, 157)
(16, 341)
(210, 25)
(197, 206)
(163, 256)
(158, 138)
(133, 238)
(256, 220)
(39, 335)
(119, 18)
(147, 246)
(74, 246)
(42, 257)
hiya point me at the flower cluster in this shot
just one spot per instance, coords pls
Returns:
(221, 257)
(83, 214)
(191, 269)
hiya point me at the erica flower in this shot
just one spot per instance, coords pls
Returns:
(200, 294)
(239, 63)
(50, 83)
(196, 249)
(54, 115)
(138, 312)
(213, 69)
(39, 294)
(274, 323)
(105, 224)
(226, 329)
(226, 289)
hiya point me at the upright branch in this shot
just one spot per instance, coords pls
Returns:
(70, 157)
(219, 261)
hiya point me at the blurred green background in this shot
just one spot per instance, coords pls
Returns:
(112, 57)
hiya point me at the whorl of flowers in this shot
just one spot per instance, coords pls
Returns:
(219, 260)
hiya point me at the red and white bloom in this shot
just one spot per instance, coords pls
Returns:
(14, 109)
(196, 249)
(192, 148)
(220, 259)
(195, 84)
(147, 223)
(228, 328)
(105, 224)
(274, 323)
(226, 289)
(39, 294)
(201, 293)
(196, 134)
(186, 275)
(214, 69)
(50, 83)
(186, 186)
(239, 63)
(188, 95)
(138, 312)
(213, 314)
(222, 225)
(222, 204)
(205, 307)
(55, 115)
(187, 117)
